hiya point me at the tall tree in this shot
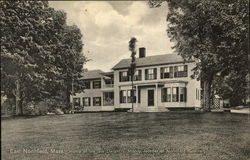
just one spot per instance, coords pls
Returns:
(215, 32)
(31, 49)
(132, 48)
(21, 49)
(71, 61)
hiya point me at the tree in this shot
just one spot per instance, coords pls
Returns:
(215, 32)
(31, 48)
(233, 87)
(20, 50)
(132, 48)
(71, 61)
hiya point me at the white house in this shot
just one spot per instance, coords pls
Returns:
(161, 82)
(98, 93)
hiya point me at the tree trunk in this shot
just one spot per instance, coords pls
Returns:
(19, 109)
(207, 95)
(68, 93)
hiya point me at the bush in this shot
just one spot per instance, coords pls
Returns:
(8, 106)
(36, 109)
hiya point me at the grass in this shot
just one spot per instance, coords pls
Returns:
(147, 136)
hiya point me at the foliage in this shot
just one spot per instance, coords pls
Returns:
(132, 48)
(215, 32)
(233, 87)
(37, 50)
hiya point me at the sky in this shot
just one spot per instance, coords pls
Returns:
(107, 26)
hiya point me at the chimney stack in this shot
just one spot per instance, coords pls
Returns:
(142, 52)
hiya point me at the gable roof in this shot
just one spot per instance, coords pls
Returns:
(150, 61)
(92, 74)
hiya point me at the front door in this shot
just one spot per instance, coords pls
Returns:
(150, 97)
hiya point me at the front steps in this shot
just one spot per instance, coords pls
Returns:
(149, 109)
(157, 109)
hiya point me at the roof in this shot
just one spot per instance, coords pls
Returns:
(150, 61)
(108, 73)
(92, 74)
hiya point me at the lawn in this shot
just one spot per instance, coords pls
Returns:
(142, 136)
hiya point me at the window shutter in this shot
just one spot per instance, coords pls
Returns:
(139, 74)
(155, 73)
(177, 94)
(171, 72)
(120, 76)
(186, 70)
(185, 67)
(162, 95)
(162, 72)
(176, 71)
(120, 96)
(185, 94)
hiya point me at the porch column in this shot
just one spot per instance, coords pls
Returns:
(156, 101)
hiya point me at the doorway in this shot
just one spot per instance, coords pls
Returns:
(151, 96)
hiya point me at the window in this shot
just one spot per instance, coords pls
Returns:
(166, 94)
(130, 98)
(150, 74)
(167, 72)
(180, 71)
(123, 76)
(175, 94)
(183, 94)
(86, 85)
(86, 101)
(97, 101)
(123, 96)
(108, 98)
(96, 84)
(137, 75)
(76, 101)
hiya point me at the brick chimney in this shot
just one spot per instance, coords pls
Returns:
(142, 52)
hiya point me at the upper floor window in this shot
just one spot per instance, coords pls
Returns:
(123, 76)
(86, 85)
(96, 84)
(167, 72)
(137, 75)
(151, 74)
(180, 71)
